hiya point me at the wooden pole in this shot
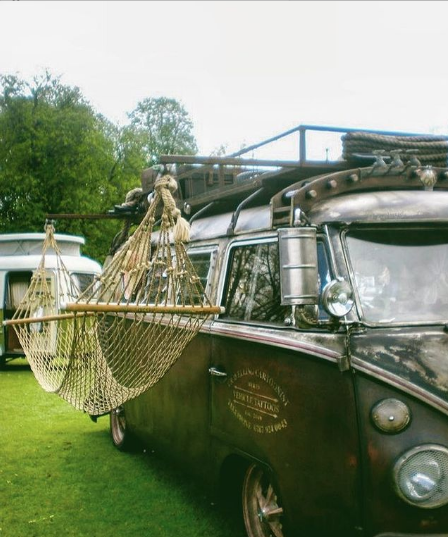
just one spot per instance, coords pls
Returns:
(46, 318)
(129, 308)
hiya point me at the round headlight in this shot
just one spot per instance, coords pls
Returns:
(421, 476)
(337, 298)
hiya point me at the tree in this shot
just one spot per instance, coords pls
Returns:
(162, 126)
(129, 155)
(56, 156)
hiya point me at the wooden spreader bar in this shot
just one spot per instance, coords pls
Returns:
(129, 308)
(90, 310)
(46, 318)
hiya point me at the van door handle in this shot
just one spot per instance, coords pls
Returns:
(217, 373)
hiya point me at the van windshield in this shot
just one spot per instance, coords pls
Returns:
(401, 275)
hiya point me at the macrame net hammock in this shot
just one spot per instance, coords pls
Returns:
(120, 336)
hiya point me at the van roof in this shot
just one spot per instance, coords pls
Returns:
(250, 220)
(383, 207)
(16, 244)
(8, 237)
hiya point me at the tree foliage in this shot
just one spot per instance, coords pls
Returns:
(57, 155)
(162, 126)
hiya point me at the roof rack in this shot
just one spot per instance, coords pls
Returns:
(218, 184)
(222, 183)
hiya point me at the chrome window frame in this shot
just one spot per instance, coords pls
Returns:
(264, 238)
(211, 249)
(357, 226)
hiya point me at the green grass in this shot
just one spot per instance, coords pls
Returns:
(60, 475)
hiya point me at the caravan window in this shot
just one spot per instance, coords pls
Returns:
(82, 280)
(17, 286)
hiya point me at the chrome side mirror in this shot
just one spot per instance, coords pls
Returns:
(298, 266)
(338, 298)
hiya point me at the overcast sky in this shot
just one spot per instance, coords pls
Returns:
(244, 71)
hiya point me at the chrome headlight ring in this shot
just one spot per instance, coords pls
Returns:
(421, 476)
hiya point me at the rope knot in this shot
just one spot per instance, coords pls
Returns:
(166, 186)
(167, 181)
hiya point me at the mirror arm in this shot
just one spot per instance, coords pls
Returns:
(305, 316)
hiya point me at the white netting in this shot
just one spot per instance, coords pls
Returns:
(128, 328)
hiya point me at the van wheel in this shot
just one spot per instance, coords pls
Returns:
(119, 432)
(261, 511)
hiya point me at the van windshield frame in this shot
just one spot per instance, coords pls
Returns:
(399, 273)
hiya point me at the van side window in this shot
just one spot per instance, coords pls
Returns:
(201, 262)
(253, 289)
(155, 284)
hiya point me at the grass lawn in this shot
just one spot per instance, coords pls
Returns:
(61, 476)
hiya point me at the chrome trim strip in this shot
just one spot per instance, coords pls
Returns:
(403, 385)
(274, 340)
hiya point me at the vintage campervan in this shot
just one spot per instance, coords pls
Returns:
(20, 254)
(320, 396)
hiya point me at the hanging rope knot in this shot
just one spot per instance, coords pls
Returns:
(49, 227)
(167, 181)
(166, 186)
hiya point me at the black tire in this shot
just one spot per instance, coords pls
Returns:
(261, 512)
(119, 431)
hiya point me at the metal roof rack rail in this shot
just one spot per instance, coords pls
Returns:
(232, 178)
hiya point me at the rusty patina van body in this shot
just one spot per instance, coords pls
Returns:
(322, 391)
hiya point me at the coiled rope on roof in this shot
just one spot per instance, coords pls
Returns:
(428, 149)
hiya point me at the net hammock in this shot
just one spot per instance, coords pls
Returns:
(120, 336)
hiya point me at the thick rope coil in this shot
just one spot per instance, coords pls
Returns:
(428, 149)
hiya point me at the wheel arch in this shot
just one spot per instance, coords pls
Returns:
(233, 468)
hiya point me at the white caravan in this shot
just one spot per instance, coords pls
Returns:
(20, 254)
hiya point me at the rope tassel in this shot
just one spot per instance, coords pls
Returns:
(181, 231)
